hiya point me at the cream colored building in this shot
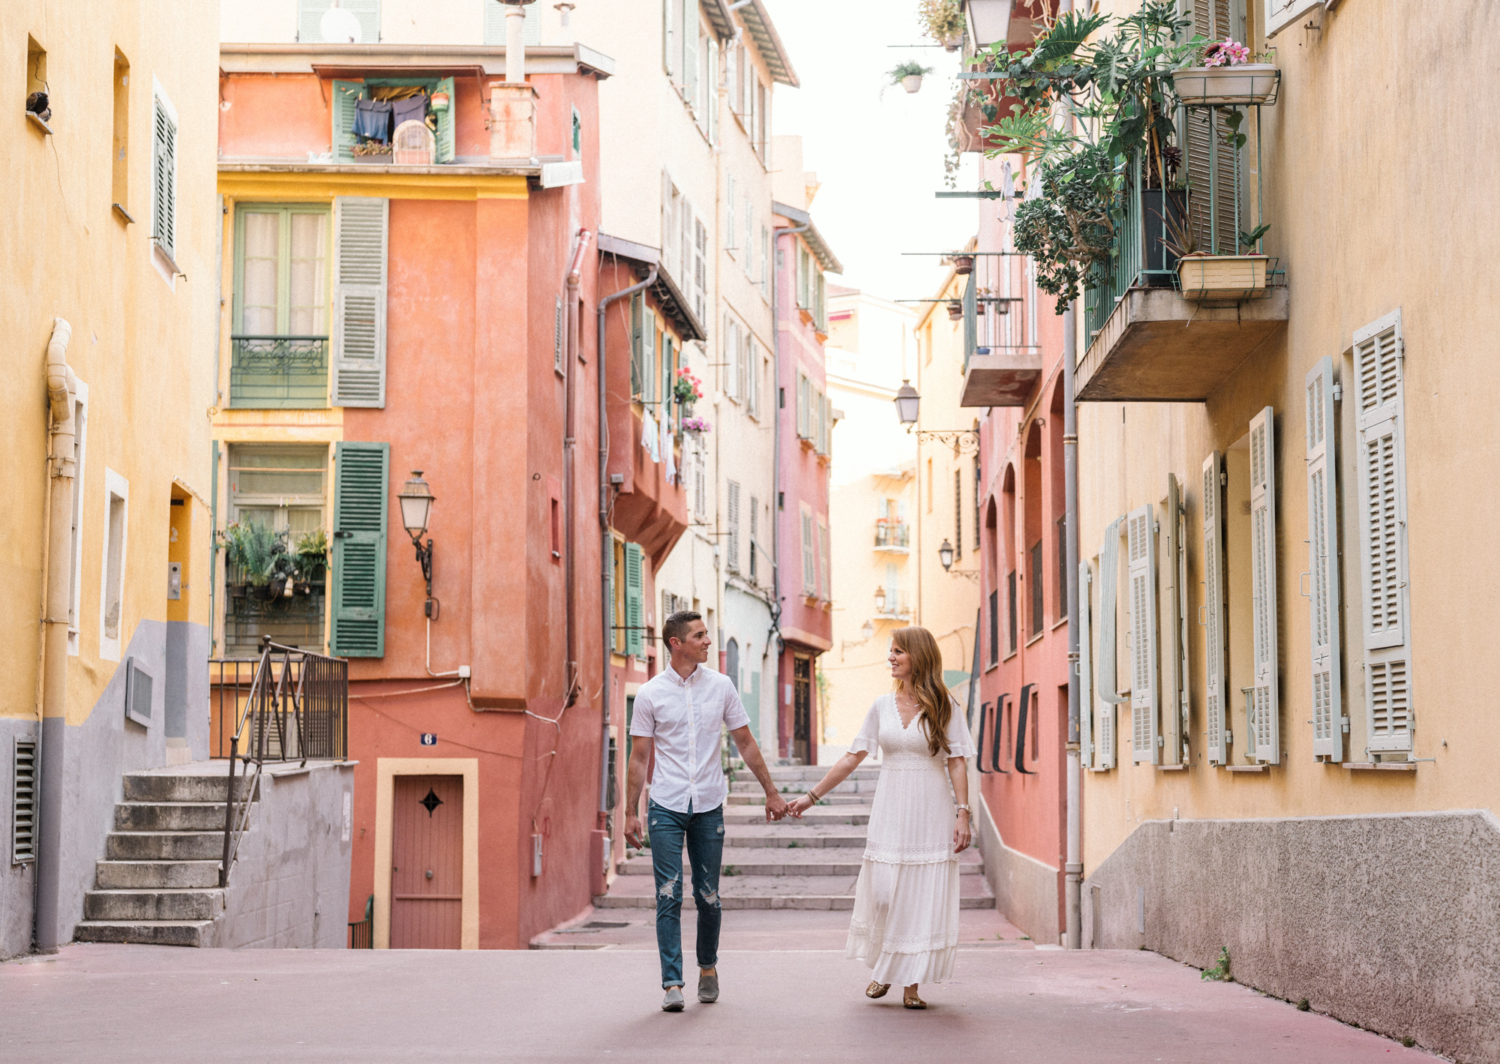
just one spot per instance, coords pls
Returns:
(109, 258)
(892, 500)
(1297, 771)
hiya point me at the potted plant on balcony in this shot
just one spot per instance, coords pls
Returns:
(1223, 75)
(311, 559)
(944, 22)
(955, 310)
(696, 426)
(686, 389)
(248, 551)
(909, 75)
(1201, 276)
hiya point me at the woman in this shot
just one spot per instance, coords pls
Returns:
(905, 923)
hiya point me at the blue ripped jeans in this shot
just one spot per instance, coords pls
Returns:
(704, 835)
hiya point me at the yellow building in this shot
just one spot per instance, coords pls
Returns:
(110, 311)
(896, 497)
(1287, 761)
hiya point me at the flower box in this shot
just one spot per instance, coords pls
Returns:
(1222, 277)
(1227, 86)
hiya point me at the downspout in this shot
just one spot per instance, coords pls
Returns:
(62, 469)
(606, 548)
(571, 353)
(775, 629)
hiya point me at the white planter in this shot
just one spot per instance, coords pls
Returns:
(1222, 276)
(912, 83)
(1248, 83)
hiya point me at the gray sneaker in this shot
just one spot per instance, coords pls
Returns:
(708, 989)
(673, 1001)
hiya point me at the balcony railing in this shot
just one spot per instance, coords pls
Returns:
(892, 535)
(279, 372)
(1002, 359)
(897, 604)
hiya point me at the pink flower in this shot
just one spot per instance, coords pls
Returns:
(1227, 52)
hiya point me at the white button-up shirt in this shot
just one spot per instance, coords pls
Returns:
(684, 718)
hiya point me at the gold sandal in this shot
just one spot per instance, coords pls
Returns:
(911, 1001)
(876, 990)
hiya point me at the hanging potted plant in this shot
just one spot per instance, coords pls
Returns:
(944, 22)
(1224, 76)
(955, 310)
(909, 76)
(696, 426)
(439, 102)
(686, 389)
(963, 265)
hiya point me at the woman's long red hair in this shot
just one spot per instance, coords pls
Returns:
(925, 684)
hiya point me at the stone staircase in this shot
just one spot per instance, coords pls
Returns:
(810, 863)
(159, 880)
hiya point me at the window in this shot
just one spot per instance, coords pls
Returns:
(577, 127)
(80, 452)
(994, 627)
(730, 362)
(754, 373)
(353, 146)
(310, 20)
(820, 301)
(958, 514)
(804, 407)
(977, 502)
(758, 138)
(1034, 576)
(119, 187)
(112, 584)
(164, 176)
(747, 367)
(823, 559)
(708, 114)
(1062, 568)
(809, 565)
(733, 491)
(754, 538)
(280, 349)
(700, 270)
(1010, 585)
(732, 75)
(617, 591)
(700, 481)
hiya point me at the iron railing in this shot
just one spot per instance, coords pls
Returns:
(295, 708)
(892, 535)
(278, 371)
(897, 604)
(362, 932)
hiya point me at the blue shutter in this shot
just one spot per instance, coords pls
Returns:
(362, 471)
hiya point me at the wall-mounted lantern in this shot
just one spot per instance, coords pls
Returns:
(416, 506)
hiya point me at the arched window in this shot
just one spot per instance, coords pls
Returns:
(1007, 548)
(732, 662)
(1031, 533)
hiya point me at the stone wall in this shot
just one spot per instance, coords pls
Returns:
(1390, 922)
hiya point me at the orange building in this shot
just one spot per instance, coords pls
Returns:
(410, 274)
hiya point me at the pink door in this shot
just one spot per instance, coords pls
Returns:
(427, 863)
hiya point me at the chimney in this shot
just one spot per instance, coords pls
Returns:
(512, 118)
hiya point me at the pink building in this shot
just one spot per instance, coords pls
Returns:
(804, 420)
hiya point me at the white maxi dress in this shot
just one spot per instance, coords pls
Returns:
(905, 922)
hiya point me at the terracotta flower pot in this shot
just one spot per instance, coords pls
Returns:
(963, 265)
(955, 310)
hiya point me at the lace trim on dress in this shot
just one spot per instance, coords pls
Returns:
(864, 935)
(902, 857)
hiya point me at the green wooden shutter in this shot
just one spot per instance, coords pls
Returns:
(446, 120)
(362, 471)
(637, 344)
(635, 601)
(164, 181)
(345, 93)
(360, 233)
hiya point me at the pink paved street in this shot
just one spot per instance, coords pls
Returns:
(144, 1003)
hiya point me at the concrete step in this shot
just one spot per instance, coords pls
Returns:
(761, 861)
(165, 845)
(171, 905)
(775, 892)
(759, 798)
(210, 783)
(807, 773)
(156, 875)
(774, 836)
(747, 814)
(752, 786)
(147, 932)
(170, 816)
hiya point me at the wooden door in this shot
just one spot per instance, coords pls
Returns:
(427, 863)
(802, 709)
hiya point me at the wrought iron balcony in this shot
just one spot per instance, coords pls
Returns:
(278, 372)
(892, 535)
(897, 605)
(1003, 362)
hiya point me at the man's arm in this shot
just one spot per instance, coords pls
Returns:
(749, 749)
(635, 782)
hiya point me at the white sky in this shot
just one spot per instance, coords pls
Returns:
(879, 160)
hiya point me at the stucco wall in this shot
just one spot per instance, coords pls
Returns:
(1385, 921)
(1025, 889)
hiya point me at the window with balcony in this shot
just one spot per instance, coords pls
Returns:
(410, 121)
(892, 533)
(279, 343)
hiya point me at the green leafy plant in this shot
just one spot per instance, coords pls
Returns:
(311, 552)
(730, 870)
(942, 19)
(911, 69)
(1220, 971)
(1252, 238)
(251, 548)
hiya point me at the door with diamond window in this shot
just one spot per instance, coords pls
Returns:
(427, 862)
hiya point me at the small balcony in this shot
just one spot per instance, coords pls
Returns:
(897, 606)
(278, 372)
(1166, 327)
(1003, 363)
(893, 537)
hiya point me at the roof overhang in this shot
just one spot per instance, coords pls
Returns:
(826, 258)
(665, 290)
(405, 60)
(768, 42)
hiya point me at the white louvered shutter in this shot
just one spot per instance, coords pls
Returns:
(734, 525)
(1140, 545)
(360, 235)
(164, 179)
(1107, 677)
(1265, 724)
(1211, 159)
(690, 86)
(809, 571)
(1174, 687)
(1085, 671)
(1216, 730)
(1379, 398)
(1323, 564)
(700, 271)
(1285, 14)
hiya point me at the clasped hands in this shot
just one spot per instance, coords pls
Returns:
(778, 808)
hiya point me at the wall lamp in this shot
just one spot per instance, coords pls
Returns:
(908, 402)
(416, 506)
(945, 555)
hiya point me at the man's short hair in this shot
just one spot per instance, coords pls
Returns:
(678, 624)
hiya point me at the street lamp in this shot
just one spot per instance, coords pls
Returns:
(880, 600)
(867, 630)
(416, 506)
(945, 554)
(906, 403)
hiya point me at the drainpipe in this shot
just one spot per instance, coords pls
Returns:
(606, 548)
(571, 352)
(775, 630)
(62, 469)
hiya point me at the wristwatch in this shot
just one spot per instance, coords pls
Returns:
(962, 808)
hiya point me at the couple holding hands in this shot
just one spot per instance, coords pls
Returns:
(905, 921)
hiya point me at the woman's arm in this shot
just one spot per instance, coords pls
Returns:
(836, 775)
(958, 773)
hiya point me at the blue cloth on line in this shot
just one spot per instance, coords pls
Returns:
(372, 119)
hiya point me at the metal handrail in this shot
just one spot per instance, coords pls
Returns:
(318, 693)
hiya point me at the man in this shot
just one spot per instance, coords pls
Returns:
(678, 714)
